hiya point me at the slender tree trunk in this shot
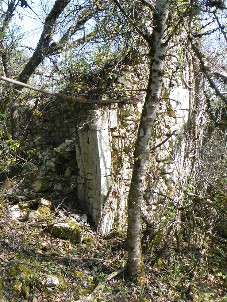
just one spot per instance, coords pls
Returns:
(135, 265)
(44, 41)
(4, 52)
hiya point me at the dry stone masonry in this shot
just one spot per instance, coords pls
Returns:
(85, 152)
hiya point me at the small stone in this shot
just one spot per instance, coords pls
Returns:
(70, 230)
(76, 217)
(41, 185)
(22, 198)
(16, 213)
(50, 165)
(45, 202)
(58, 187)
(83, 218)
(65, 149)
(52, 281)
(32, 215)
(10, 191)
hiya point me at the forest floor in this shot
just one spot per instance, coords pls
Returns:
(37, 267)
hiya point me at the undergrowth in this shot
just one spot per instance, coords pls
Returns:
(29, 256)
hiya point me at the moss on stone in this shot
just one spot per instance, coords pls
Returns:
(24, 205)
(88, 240)
(62, 286)
(77, 274)
(20, 270)
(22, 278)
(21, 287)
(67, 230)
(116, 233)
(43, 211)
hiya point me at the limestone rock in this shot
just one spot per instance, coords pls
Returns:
(83, 218)
(45, 202)
(36, 209)
(70, 230)
(32, 215)
(52, 281)
(16, 213)
(65, 149)
(41, 185)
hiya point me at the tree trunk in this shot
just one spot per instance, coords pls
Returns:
(4, 52)
(157, 43)
(44, 41)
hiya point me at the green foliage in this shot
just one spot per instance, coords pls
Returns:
(8, 153)
(13, 152)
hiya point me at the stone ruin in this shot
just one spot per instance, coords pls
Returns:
(84, 152)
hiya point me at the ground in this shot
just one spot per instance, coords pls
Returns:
(38, 267)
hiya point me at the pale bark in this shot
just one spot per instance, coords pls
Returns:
(157, 55)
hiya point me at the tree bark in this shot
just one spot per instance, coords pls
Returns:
(135, 266)
(45, 47)
(44, 41)
(4, 52)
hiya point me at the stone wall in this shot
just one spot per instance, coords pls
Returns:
(172, 151)
(86, 151)
(93, 157)
(72, 148)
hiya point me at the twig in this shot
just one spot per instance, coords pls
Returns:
(131, 21)
(108, 278)
(206, 73)
(165, 140)
(78, 99)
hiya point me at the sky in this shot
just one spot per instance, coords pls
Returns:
(30, 24)
(31, 21)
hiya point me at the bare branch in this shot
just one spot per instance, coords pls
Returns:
(82, 19)
(8, 14)
(3, 50)
(204, 69)
(78, 98)
(221, 27)
(165, 140)
(142, 34)
(44, 41)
